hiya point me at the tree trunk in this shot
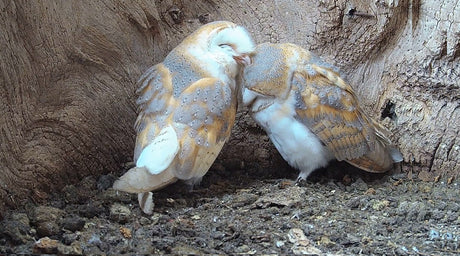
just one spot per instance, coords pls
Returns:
(69, 69)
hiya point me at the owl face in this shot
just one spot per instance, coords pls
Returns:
(234, 43)
(227, 44)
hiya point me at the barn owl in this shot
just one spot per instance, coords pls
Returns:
(187, 108)
(310, 113)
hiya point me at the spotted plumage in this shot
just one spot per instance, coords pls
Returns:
(187, 107)
(310, 113)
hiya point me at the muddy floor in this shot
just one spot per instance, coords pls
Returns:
(245, 210)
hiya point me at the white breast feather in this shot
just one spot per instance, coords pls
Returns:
(296, 143)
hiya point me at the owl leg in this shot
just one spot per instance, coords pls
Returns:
(192, 182)
(303, 175)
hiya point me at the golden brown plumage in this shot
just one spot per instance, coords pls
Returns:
(311, 114)
(187, 107)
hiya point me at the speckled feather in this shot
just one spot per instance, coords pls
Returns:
(313, 92)
(191, 97)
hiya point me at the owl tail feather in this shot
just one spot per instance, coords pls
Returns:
(140, 180)
(146, 202)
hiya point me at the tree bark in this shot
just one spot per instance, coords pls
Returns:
(69, 69)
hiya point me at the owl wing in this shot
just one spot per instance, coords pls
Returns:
(329, 108)
(156, 142)
(206, 111)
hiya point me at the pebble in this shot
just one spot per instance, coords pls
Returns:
(302, 245)
(291, 196)
(144, 221)
(306, 250)
(244, 249)
(17, 229)
(184, 250)
(91, 210)
(126, 232)
(46, 245)
(380, 205)
(279, 244)
(120, 213)
(73, 249)
(46, 213)
(22, 218)
(45, 219)
(242, 199)
(359, 185)
(73, 223)
(48, 228)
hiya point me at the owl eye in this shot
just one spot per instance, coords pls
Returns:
(227, 48)
(224, 46)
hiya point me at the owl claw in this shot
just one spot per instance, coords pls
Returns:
(300, 179)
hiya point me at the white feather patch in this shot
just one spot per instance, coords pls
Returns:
(159, 154)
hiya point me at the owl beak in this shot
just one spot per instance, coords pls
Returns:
(243, 59)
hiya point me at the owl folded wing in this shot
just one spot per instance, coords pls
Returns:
(329, 108)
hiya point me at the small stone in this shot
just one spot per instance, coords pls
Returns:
(45, 219)
(47, 228)
(306, 250)
(370, 191)
(196, 217)
(126, 232)
(243, 249)
(242, 199)
(354, 203)
(22, 218)
(91, 210)
(120, 213)
(380, 205)
(144, 221)
(73, 249)
(69, 238)
(155, 218)
(17, 231)
(46, 245)
(73, 223)
(285, 184)
(326, 241)
(185, 250)
(297, 236)
(290, 196)
(46, 213)
(360, 185)
(346, 180)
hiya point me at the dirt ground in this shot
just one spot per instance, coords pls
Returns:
(246, 210)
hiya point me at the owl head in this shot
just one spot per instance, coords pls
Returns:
(224, 42)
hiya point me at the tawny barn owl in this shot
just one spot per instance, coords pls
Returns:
(187, 108)
(310, 113)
